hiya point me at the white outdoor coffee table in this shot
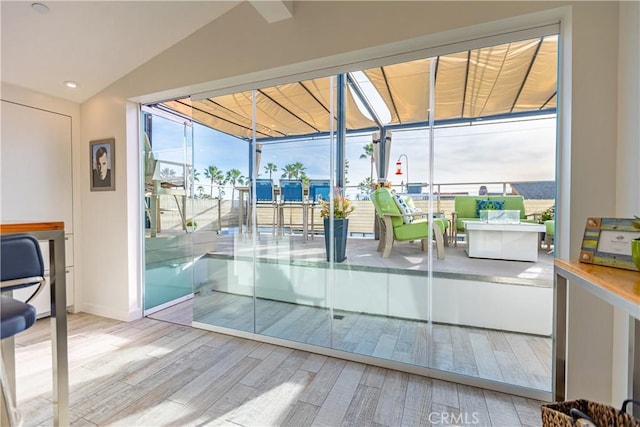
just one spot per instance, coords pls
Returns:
(517, 242)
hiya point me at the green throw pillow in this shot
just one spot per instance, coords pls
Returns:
(488, 205)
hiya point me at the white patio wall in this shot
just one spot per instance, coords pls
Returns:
(501, 306)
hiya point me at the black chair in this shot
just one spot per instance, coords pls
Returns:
(21, 266)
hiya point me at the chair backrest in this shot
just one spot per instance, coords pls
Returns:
(264, 190)
(21, 262)
(384, 204)
(319, 187)
(466, 206)
(291, 190)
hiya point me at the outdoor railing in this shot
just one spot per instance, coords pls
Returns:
(215, 214)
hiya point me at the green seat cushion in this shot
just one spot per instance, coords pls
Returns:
(441, 223)
(415, 231)
(460, 222)
(465, 207)
(418, 229)
(384, 204)
(550, 227)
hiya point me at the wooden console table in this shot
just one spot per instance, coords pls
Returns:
(620, 288)
(53, 232)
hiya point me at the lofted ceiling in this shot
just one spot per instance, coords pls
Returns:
(95, 43)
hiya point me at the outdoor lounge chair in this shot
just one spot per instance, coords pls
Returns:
(393, 225)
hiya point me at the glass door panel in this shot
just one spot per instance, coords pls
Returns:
(223, 248)
(168, 197)
(493, 177)
(380, 293)
(291, 178)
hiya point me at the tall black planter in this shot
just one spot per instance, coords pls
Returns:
(340, 230)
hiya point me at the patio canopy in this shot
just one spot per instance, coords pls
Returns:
(498, 81)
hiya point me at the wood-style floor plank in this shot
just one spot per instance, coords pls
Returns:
(502, 411)
(362, 407)
(134, 374)
(336, 404)
(418, 402)
(519, 359)
(393, 394)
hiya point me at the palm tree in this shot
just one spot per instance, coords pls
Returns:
(289, 171)
(234, 176)
(293, 170)
(270, 168)
(167, 173)
(195, 177)
(346, 171)
(368, 154)
(365, 186)
(215, 175)
(299, 170)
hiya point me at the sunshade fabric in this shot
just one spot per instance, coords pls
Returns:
(498, 80)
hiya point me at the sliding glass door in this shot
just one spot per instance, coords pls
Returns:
(168, 207)
(395, 213)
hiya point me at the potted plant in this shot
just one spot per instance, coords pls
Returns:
(547, 215)
(191, 225)
(635, 244)
(341, 210)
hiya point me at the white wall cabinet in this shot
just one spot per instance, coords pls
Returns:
(36, 177)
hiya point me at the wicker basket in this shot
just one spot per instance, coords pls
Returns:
(558, 414)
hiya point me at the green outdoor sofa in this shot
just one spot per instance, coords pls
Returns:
(466, 209)
(393, 226)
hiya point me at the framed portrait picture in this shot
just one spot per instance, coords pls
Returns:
(103, 164)
(607, 241)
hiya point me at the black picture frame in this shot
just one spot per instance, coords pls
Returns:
(102, 154)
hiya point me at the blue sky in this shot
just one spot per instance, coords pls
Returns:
(522, 150)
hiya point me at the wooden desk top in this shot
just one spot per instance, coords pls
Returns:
(622, 283)
(29, 227)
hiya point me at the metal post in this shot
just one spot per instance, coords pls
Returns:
(635, 365)
(341, 131)
(382, 173)
(559, 350)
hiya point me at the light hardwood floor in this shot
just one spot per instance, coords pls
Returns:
(515, 358)
(153, 373)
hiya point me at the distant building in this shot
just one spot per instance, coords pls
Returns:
(535, 190)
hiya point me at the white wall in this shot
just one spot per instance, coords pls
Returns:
(37, 100)
(217, 53)
(627, 170)
(240, 47)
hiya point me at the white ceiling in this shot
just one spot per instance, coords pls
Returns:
(91, 42)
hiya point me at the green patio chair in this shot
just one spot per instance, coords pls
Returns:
(393, 226)
(549, 232)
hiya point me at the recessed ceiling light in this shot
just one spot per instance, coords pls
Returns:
(71, 84)
(40, 8)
